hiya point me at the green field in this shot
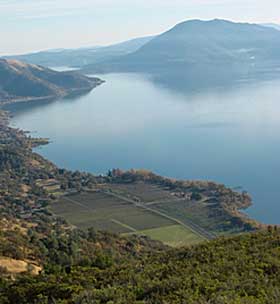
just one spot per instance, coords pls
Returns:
(103, 211)
(175, 235)
(145, 192)
(201, 214)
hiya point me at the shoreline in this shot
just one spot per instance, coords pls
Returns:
(234, 211)
(69, 93)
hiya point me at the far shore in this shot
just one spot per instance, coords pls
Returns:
(69, 93)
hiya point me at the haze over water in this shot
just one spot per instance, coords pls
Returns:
(228, 135)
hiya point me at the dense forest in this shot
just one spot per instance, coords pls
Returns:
(244, 269)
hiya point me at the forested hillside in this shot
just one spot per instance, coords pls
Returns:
(244, 269)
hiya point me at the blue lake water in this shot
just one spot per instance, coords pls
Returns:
(228, 135)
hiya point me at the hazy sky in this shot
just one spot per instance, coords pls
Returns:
(31, 25)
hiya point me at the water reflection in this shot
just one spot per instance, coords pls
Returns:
(189, 80)
(27, 106)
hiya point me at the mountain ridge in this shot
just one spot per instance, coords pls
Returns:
(81, 56)
(197, 42)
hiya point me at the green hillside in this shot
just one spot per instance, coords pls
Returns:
(244, 269)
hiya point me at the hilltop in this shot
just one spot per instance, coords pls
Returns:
(22, 82)
(201, 44)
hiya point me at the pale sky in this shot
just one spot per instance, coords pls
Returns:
(32, 25)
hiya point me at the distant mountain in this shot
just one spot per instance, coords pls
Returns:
(201, 44)
(82, 56)
(272, 25)
(20, 81)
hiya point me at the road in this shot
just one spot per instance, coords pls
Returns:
(188, 224)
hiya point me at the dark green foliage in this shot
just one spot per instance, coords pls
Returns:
(244, 269)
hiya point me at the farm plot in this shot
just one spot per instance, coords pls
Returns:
(144, 192)
(175, 235)
(104, 212)
(213, 220)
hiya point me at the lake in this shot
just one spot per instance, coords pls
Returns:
(228, 134)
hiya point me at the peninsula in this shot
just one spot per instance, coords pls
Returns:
(20, 81)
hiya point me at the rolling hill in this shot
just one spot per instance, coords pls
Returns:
(81, 56)
(20, 81)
